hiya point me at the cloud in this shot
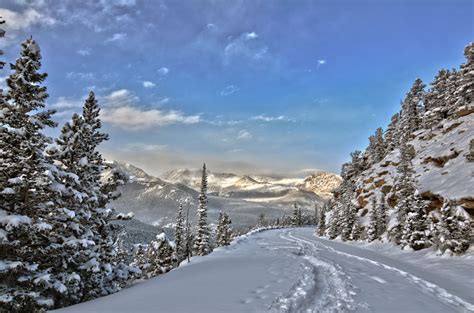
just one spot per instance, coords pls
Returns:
(117, 37)
(164, 101)
(16, 22)
(163, 71)
(121, 97)
(80, 76)
(65, 103)
(250, 36)
(321, 62)
(148, 84)
(268, 118)
(134, 118)
(245, 46)
(228, 90)
(84, 52)
(211, 26)
(244, 135)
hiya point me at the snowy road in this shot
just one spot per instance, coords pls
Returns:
(291, 270)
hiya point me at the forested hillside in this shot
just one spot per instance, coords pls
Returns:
(414, 183)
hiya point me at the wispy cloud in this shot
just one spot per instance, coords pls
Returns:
(84, 52)
(23, 20)
(245, 46)
(244, 135)
(122, 109)
(265, 118)
(117, 37)
(135, 118)
(80, 75)
(148, 84)
(321, 62)
(228, 90)
(66, 103)
(163, 71)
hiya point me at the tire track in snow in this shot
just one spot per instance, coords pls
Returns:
(426, 286)
(321, 289)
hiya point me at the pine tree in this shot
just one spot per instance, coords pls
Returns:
(28, 190)
(348, 221)
(2, 34)
(373, 231)
(382, 217)
(224, 234)
(294, 217)
(160, 256)
(202, 245)
(322, 219)
(453, 231)
(356, 231)
(179, 233)
(415, 228)
(435, 100)
(405, 186)
(412, 107)
(261, 220)
(392, 137)
(465, 90)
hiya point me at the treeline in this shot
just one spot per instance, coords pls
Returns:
(410, 223)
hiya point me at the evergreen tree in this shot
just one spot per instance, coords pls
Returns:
(224, 234)
(160, 255)
(28, 189)
(356, 231)
(414, 232)
(453, 231)
(348, 221)
(295, 216)
(372, 231)
(382, 217)
(261, 220)
(179, 233)
(392, 137)
(379, 151)
(202, 245)
(405, 189)
(412, 108)
(470, 154)
(322, 219)
(451, 99)
(465, 90)
(435, 100)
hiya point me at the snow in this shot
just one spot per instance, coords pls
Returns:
(292, 270)
(12, 221)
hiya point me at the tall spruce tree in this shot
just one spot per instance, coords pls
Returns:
(412, 108)
(202, 245)
(392, 134)
(223, 234)
(28, 192)
(372, 231)
(454, 229)
(295, 216)
(414, 234)
(382, 217)
(465, 90)
(179, 233)
(322, 219)
(405, 189)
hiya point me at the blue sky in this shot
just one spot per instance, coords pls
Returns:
(246, 86)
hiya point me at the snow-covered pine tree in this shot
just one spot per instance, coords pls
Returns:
(356, 231)
(334, 228)
(322, 219)
(261, 222)
(382, 217)
(470, 154)
(405, 189)
(435, 109)
(453, 231)
(2, 34)
(28, 190)
(372, 230)
(294, 217)
(202, 245)
(414, 234)
(451, 99)
(465, 90)
(224, 233)
(220, 229)
(348, 221)
(179, 233)
(160, 256)
(392, 137)
(412, 108)
(300, 216)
